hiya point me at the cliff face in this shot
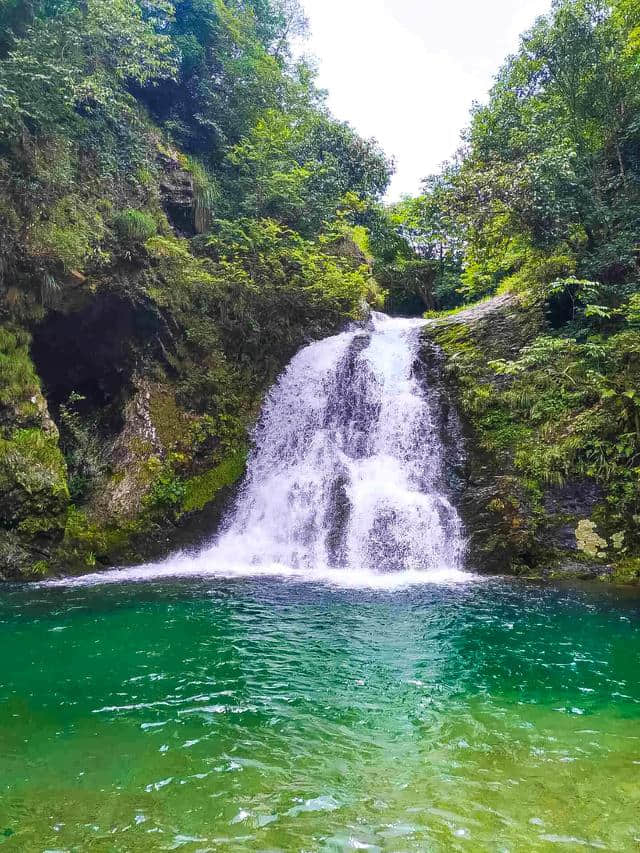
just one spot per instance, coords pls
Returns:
(517, 522)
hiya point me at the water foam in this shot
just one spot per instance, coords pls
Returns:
(185, 566)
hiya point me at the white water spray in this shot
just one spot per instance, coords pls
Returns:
(345, 482)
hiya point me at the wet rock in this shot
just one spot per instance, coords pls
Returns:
(16, 559)
(577, 498)
(177, 192)
(498, 523)
(580, 570)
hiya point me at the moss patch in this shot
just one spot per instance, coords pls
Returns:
(68, 234)
(19, 384)
(203, 489)
(33, 477)
(627, 571)
(88, 542)
(171, 423)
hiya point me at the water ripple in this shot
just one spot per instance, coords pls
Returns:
(264, 716)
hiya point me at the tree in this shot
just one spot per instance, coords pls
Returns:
(298, 167)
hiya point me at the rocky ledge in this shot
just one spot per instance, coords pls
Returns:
(516, 525)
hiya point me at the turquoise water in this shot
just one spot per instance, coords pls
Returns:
(267, 715)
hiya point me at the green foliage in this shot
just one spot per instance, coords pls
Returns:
(276, 286)
(167, 489)
(573, 410)
(18, 379)
(409, 285)
(83, 448)
(546, 183)
(135, 226)
(417, 260)
(298, 169)
(67, 235)
(76, 59)
(553, 149)
(206, 195)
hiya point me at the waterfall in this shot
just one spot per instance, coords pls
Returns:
(346, 479)
(347, 467)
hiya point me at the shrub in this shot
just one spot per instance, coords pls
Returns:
(167, 490)
(83, 447)
(206, 195)
(135, 226)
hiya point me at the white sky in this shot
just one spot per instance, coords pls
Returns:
(407, 71)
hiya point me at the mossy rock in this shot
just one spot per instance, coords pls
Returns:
(22, 405)
(135, 226)
(33, 478)
(498, 507)
(91, 543)
(523, 515)
(17, 561)
(203, 489)
(627, 571)
(172, 424)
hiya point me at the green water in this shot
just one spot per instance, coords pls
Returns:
(263, 715)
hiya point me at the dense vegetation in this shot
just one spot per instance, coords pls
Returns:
(178, 213)
(543, 199)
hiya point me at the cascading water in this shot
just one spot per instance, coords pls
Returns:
(347, 467)
(345, 482)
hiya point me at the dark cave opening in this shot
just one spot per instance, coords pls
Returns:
(93, 352)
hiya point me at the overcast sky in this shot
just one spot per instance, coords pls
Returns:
(407, 71)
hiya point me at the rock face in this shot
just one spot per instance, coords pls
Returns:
(514, 526)
(33, 485)
(130, 454)
(177, 192)
(158, 476)
(177, 199)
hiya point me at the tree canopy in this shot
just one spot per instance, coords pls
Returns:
(546, 182)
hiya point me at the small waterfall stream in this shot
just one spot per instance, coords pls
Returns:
(346, 480)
